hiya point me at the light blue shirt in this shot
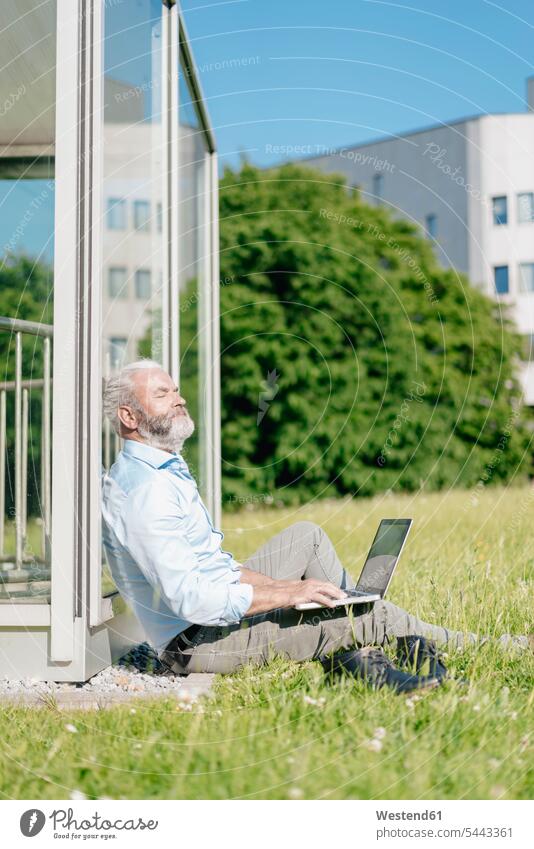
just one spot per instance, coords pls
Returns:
(164, 554)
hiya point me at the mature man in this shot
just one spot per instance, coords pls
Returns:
(200, 609)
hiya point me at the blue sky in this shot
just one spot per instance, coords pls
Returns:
(336, 72)
(309, 74)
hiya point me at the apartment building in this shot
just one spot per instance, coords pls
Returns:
(469, 185)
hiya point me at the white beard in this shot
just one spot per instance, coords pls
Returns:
(167, 432)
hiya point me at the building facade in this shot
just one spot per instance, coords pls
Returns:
(469, 186)
(108, 252)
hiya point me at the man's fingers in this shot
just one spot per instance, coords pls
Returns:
(321, 592)
(331, 590)
(323, 598)
(339, 593)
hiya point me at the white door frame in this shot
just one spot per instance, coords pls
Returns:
(66, 335)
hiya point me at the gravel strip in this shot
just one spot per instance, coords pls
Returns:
(138, 673)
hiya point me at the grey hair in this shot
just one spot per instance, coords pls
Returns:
(119, 390)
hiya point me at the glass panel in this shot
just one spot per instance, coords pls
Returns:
(28, 108)
(133, 167)
(526, 277)
(500, 273)
(525, 207)
(192, 283)
(27, 188)
(500, 210)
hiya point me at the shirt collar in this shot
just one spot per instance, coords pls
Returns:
(155, 457)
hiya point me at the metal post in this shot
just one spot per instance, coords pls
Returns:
(24, 475)
(2, 470)
(107, 423)
(215, 387)
(66, 334)
(205, 328)
(45, 457)
(173, 137)
(18, 450)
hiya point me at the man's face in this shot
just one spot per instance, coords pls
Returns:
(162, 419)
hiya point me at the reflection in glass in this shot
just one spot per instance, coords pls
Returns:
(116, 214)
(526, 277)
(500, 275)
(141, 210)
(525, 207)
(500, 210)
(117, 283)
(27, 189)
(193, 307)
(133, 165)
(143, 283)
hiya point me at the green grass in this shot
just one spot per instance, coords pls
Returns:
(283, 732)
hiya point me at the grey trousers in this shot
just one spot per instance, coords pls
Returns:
(303, 550)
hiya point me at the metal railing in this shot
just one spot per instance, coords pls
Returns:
(26, 573)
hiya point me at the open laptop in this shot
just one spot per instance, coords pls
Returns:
(379, 566)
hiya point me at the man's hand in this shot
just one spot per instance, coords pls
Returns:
(290, 593)
(320, 592)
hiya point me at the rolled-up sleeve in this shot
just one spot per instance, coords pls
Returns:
(153, 529)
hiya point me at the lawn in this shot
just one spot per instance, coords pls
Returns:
(283, 732)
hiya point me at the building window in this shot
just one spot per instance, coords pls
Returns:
(500, 274)
(378, 188)
(500, 210)
(117, 283)
(431, 224)
(117, 351)
(116, 214)
(526, 277)
(141, 211)
(525, 207)
(159, 217)
(143, 284)
(528, 347)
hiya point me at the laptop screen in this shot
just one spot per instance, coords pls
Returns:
(383, 555)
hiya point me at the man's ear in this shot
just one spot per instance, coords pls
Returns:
(127, 417)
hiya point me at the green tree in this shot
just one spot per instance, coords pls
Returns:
(351, 362)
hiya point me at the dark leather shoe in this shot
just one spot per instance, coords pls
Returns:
(376, 669)
(414, 651)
